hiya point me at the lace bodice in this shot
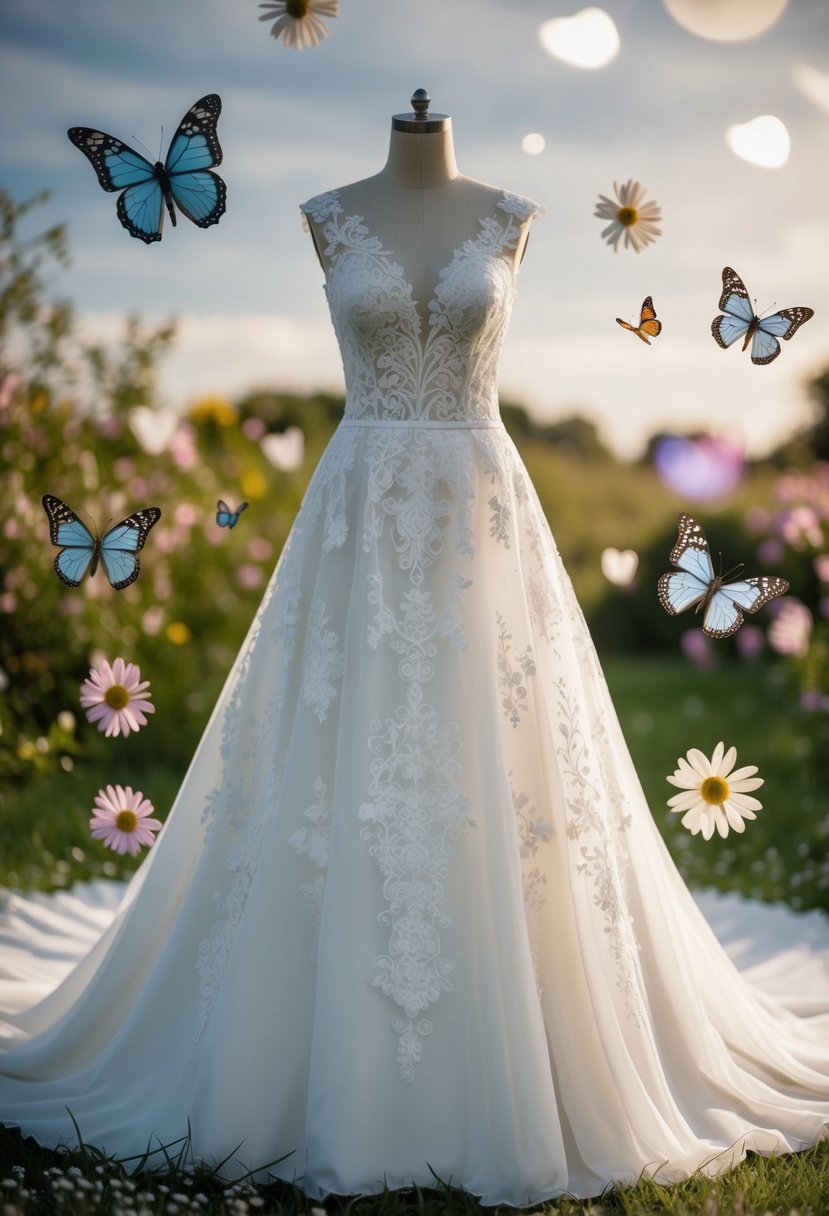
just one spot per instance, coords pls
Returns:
(396, 367)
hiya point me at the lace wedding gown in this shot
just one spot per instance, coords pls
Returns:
(410, 916)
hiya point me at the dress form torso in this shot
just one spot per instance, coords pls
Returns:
(420, 207)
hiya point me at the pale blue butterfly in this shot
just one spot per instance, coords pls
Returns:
(82, 550)
(741, 321)
(695, 583)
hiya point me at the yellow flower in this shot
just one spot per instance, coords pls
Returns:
(212, 409)
(298, 21)
(178, 633)
(253, 484)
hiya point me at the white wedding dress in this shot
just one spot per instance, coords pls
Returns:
(410, 917)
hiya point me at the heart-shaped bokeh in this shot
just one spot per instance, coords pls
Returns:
(285, 449)
(619, 566)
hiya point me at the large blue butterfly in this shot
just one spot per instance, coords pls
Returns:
(82, 550)
(184, 178)
(721, 603)
(741, 321)
(227, 518)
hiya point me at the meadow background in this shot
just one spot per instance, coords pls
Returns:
(205, 368)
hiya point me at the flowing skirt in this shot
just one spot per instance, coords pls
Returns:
(410, 915)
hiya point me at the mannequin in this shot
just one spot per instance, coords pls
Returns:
(419, 205)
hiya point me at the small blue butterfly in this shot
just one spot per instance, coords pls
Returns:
(81, 550)
(694, 582)
(741, 321)
(225, 517)
(184, 178)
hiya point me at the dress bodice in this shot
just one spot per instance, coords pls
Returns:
(398, 366)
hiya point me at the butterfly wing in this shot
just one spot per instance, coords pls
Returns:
(724, 613)
(194, 150)
(783, 324)
(120, 544)
(648, 323)
(79, 548)
(689, 584)
(118, 167)
(227, 518)
(680, 590)
(737, 307)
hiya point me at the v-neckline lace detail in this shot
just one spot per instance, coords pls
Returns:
(400, 362)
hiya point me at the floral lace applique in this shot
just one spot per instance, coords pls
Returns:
(513, 673)
(391, 370)
(314, 843)
(323, 664)
(421, 481)
(533, 832)
(414, 814)
(590, 828)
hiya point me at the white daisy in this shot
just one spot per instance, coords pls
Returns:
(297, 22)
(712, 795)
(629, 215)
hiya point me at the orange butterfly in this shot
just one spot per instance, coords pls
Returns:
(648, 323)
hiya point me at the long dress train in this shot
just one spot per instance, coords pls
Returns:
(410, 915)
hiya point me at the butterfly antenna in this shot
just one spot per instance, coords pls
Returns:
(734, 570)
(143, 147)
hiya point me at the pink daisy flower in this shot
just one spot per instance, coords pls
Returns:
(120, 819)
(115, 697)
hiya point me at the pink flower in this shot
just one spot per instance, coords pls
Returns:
(697, 649)
(183, 447)
(115, 698)
(822, 567)
(749, 642)
(791, 629)
(249, 576)
(120, 819)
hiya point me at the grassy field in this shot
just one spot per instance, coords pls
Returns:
(665, 707)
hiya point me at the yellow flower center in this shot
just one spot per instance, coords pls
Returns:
(627, 216)
(297, 9)
(127, 821)
(715, 790)
(116, 696)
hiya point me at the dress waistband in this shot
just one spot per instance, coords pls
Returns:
(465, 424)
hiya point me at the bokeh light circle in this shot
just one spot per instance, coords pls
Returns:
(761, 141)
(589, 39)
(726, 20)
(534, 143)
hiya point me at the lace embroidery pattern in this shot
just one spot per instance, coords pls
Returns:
(588, 820)
(392, 371)
(323, 663)
(314, 842)
(422, 483)
(533, 832)
(512, 673)
(414, 815)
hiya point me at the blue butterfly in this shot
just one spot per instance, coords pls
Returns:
(184, 178)
(741, 321)
(722, 604)
(226, 518)
(82, 551)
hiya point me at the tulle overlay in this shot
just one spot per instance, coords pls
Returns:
(410, 915)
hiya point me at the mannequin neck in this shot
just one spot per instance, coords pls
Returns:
(421, 160)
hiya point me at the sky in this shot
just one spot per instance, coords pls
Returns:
(247, 292)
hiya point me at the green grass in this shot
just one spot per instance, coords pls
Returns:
(36, 1182)
(665, 707)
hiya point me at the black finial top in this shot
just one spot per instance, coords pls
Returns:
(420, 104)
(420, 121)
